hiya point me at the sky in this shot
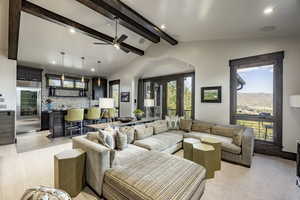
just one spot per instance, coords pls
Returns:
(258, 79)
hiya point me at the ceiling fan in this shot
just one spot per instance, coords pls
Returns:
(117, 41)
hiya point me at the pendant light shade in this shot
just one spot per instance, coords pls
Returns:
(82, 78)
(63, 64)
(99, 81)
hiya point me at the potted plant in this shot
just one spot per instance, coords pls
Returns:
(138, 114)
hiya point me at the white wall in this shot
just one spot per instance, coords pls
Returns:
(8, 81)
(210, 60)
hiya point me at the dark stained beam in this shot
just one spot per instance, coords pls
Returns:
(129, 18)
(63, 21)
(14, 27)
(110, 12)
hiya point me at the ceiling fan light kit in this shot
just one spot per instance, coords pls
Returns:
(117, 40)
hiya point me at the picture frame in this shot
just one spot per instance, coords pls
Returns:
(125, 96)
(211, 94)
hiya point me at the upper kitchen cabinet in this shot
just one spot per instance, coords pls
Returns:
(29, 74)
(99, 88)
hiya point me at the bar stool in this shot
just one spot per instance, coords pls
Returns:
(73, 121)
(93, 114)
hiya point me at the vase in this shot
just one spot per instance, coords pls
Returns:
(138, 117)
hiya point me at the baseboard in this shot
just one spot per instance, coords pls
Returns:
(289, 155)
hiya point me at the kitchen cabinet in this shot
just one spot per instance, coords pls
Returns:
(29, 74)
(99, 91)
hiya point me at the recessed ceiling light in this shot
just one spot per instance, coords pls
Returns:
(93, 69)
(53, 62)
(268, 10)
(163, 26)
(72, 30)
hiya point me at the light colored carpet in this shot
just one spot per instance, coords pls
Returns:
(270, 178)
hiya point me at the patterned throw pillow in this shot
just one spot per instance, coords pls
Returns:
(173, 122)
(129, 131)
(121, 140)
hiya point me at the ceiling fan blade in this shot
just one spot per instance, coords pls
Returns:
(101, 43)
(122, 38)
(124, 49)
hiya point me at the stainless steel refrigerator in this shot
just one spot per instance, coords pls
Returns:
(28, 106)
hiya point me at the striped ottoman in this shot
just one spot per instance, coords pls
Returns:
(155, 175)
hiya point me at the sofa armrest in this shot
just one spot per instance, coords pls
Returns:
(248, 146)
(97, 161)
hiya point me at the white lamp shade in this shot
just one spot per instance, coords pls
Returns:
(106, 103)
(149, 102)
(295, 101)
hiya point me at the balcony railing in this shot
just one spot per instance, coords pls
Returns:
(263, 130)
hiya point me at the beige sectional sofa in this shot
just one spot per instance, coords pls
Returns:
(108, 170)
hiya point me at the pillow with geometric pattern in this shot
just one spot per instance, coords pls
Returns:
(173, 122)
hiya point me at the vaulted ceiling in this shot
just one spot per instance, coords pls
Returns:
(41, 41)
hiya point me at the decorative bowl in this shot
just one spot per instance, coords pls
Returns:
(45, 193)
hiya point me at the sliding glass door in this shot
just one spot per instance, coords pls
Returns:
(173, 95)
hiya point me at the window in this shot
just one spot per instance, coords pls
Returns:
(188, 86)
(171, 98)
(173, 95)
(114, 92)
(256, 98)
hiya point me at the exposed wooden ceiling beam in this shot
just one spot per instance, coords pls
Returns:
(14, 27)
(63, 21)
(128, 18)
(110, 12)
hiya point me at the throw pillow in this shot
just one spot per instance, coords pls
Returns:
(121, 139)
(173, 122)
(238, 137)
(93, 136)
(108, 137)
(203, 127)
(186, 125)
(129, 131)
(142, 132)
(160, 126)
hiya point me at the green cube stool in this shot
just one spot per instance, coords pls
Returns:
(188, 147)
(203, 154)
(69, 169)
(217, 155)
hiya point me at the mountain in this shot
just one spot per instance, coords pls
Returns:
(255, 99)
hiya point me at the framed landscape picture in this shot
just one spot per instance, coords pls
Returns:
(125, 96)
(211, 94)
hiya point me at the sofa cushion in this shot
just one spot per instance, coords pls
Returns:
(226, 142)
(186, 125)
(226, 131)
(108, 137)
(157, 176)
(143, 132)
(201, 126)
(129, 131)
(238, 137)
(161, 126)
(231, 148)
(93, 136)
(161, 141)
(127, 155)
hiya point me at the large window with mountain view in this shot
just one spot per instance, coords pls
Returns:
(256, 98)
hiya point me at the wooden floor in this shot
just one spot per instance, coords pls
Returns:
(270, 178)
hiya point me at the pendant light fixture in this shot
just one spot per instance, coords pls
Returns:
(63, 64)
(82, 78)
(99, 79)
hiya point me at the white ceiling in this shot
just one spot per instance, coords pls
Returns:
(193, 20)
(189, 20)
